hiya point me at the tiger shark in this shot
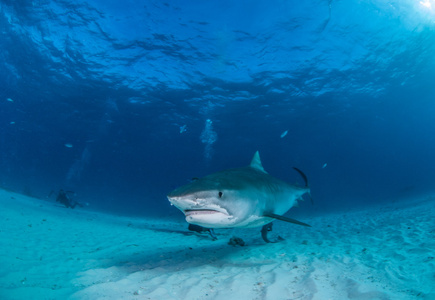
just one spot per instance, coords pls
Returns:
(238, 198)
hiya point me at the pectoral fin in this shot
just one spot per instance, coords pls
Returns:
(278, 217)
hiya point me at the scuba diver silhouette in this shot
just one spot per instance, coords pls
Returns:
(65, 198)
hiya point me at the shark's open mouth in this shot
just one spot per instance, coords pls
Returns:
(189, 212)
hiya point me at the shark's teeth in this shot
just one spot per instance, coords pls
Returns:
(189, 212)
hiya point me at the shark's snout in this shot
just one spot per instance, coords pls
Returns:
(195, 206)
(183, 203)
(200, 211)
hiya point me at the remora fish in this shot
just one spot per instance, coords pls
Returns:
(241, 197)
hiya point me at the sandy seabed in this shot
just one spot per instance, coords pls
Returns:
(50, 252)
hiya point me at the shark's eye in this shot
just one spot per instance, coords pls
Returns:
(220, 194)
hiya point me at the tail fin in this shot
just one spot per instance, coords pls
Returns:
(303, 176)
(306, 182)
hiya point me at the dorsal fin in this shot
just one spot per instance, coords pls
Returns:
(256, 162)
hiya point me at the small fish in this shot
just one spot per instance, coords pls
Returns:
(12, 123)
(10, 100)
(68, 145)
(284, 133)
(183, 128)
(324, 166)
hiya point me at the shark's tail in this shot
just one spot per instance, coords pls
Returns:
(303, 176)
(306, 182)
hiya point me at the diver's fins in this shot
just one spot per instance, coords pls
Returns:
(285, 219)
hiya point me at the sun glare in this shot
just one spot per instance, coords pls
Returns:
(427, 4)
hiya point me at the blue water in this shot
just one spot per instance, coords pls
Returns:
(122, 101)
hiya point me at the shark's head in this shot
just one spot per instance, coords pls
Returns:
(212, 202)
